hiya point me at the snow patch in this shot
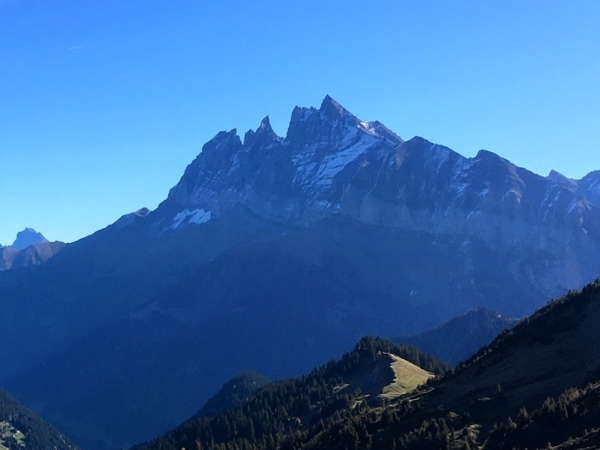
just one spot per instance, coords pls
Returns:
(196, 216)
(334, 164)
(309, 170)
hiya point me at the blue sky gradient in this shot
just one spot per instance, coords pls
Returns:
(104, 102)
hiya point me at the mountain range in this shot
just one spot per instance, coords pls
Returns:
(275, 254)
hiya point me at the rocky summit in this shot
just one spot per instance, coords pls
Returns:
(331, 163)
(275, 254)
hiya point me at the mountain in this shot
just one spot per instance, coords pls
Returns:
(274, 254)
(535, 386)
(28, 237)
(460, 337)
(20, 428)
(330, 162)
(30, 248)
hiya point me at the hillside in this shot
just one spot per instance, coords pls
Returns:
(460, 337)
(364, 375)
(235, 391)
(535, 384)
(22, 429)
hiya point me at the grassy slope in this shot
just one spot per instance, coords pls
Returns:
(407, 377)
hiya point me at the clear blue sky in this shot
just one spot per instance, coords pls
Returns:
(103, 103)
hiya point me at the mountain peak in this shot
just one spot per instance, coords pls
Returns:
(28, 237)
(265, 129)
(263, 133)
(331, 108)
(265, 125)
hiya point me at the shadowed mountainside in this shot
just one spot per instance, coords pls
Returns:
(460, 337)
(535, 384)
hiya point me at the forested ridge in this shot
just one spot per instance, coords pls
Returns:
(535, 386)
(293, 407)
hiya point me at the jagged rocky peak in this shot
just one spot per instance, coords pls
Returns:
(264, 135)
(332, 109)
(331, 123)
(265, 128)
(28, 237)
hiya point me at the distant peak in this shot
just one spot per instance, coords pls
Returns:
(28, 237)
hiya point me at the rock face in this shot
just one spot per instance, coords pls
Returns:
(274, 254)
(331, 163)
